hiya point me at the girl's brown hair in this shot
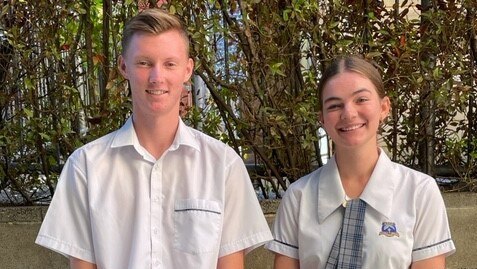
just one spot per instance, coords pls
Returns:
(355, 64)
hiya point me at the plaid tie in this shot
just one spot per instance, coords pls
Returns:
(347, 249)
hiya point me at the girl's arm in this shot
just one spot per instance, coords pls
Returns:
(285, 262)
(437, 262)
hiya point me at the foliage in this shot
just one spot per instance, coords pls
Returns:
(50, 89)
(260, 61)
(281, 47)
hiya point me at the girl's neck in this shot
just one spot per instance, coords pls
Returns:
(355, 167)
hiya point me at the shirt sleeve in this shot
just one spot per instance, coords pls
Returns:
(432, 235)
(66, 227)
(244, 225)
(285, 228)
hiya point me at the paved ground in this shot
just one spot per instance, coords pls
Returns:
(19, 226)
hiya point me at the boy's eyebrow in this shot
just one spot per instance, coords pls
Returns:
(334, 98)
(141, 57)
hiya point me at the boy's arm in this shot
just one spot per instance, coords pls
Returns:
(80, 264)
(232, 261)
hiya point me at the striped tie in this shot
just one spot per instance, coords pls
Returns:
(347, 249)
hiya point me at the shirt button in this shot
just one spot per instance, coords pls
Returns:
(155, 231)
(156, 263)
(156, 199)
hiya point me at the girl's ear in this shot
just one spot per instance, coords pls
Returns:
(385, 108)
(320, 118)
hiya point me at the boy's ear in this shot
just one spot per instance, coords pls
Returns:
(190, 69)
(122, 66)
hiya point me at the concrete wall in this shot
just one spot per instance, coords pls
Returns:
(19, 226)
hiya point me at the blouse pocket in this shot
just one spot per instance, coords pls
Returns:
(197, 225)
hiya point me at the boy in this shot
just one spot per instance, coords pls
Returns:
(155, 193)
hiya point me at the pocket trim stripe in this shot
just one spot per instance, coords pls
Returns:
(196, 209)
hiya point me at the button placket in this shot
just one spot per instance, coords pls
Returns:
(156, 214)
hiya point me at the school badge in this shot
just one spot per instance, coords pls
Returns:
(389, 229)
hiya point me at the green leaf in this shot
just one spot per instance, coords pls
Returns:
(436, 73)
(286, 13)
(45, 136)
(28, 83)
(276, 69)
(345, 42)
(28, 113)
(172, 9)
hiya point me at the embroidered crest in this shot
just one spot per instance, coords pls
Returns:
(389, 229)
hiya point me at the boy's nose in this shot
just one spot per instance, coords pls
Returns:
(156, 75)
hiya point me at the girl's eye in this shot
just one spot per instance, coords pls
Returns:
(362, 99)
(333, 106)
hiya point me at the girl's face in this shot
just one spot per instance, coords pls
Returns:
(352, 110)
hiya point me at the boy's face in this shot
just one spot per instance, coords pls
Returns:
(157, 66)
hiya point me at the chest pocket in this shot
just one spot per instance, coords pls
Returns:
(389, 244)
(197, 225)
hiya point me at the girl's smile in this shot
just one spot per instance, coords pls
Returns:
(352, 110)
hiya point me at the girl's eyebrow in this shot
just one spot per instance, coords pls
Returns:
(334, 98)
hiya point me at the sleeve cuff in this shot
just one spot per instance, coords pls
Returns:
(444, 247)
(64, 248)
(283, 248)
(248, 244)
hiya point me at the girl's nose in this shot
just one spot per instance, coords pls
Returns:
(348, 112)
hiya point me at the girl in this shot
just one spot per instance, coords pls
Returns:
(404, 220)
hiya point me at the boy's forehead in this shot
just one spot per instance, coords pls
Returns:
(171, 39)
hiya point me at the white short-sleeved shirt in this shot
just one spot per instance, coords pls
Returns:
(118, 207)
(405, 220)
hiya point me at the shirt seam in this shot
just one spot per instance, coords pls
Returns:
(286, 244)
(432, 245)
(64, 247)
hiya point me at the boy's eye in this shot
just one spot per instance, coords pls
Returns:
(143, 63)
(170, 64)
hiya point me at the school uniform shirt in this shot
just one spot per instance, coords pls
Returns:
(118, 207)
(405, 219)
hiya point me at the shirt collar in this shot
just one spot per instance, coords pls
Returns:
(378, 192)
(126, 136)
(330, 190)
(185, 136)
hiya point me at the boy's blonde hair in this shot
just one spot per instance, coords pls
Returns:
(152, 21)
